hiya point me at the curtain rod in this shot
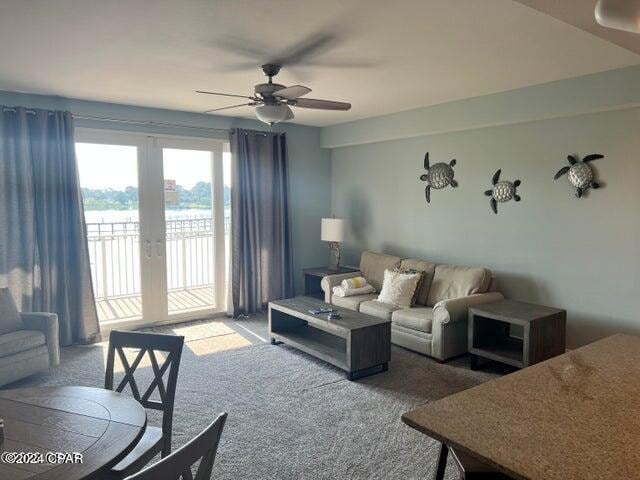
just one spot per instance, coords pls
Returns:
(133, 122)
(158, 124)
(137, 122)
(148, 122)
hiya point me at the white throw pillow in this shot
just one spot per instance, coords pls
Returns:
(398, 288)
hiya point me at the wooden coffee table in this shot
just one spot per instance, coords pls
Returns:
(357, 343)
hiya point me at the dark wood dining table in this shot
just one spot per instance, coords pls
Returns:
(101, 425)
(573, 417)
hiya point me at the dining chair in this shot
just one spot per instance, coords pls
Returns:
(470, 468)
(178, 464)
(154, 440)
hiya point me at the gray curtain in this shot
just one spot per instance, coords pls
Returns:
(44, 258)
(261, 268)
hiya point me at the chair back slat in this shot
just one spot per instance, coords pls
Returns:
(177, 465)
(148, 345)
(158, 376)
(129, 370)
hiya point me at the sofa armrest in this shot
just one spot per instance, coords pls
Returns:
(457, 309)
(450, 324)
(328, 282)
(47, 323)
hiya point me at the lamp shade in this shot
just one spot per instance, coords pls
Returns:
(332, 230)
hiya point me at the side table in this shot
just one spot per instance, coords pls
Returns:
(543, 333)
(313, 277)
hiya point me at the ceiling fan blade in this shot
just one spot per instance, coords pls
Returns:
(243, 47)
(251, 104)
(237, 67)
(345, 64)
(225, 94)
(291, 93)
(290, 114)
(312, 46)
(320, 104)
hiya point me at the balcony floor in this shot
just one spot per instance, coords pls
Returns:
(180, 301)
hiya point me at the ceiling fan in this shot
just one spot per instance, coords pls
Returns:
(273, 101)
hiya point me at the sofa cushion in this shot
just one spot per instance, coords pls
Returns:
(10, 320)
(455, 282)
(412, 339)
(23, 364)
(422, 266)
(378, 309)
(353, 302)
(399, 288)
(373, 265)
(415, 318)
(19, 341)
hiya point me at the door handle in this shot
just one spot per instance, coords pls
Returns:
(159, 248)
(147, 248)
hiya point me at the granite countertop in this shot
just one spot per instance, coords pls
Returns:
(573, 417)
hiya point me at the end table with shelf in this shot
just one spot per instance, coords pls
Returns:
(313, 277)
(543, 333)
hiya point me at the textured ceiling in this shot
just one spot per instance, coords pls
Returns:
(383, 57)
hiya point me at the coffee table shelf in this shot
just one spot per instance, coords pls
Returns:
(317, 343)
(357, 343)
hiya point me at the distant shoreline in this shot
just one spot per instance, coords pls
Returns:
(120, 216)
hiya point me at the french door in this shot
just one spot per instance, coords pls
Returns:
(156, 222)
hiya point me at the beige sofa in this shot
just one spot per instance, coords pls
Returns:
(437, 324)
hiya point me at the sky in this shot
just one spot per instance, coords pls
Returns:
(115, 166)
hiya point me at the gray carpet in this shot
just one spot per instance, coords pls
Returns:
(291, 416)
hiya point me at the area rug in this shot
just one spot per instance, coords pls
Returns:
(292, 416)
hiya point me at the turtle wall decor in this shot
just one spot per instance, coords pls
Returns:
(438, 176)
(502, 191)
(580, 173)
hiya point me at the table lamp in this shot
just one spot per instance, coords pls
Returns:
(333, 232)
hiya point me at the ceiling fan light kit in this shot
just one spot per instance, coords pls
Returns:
(271, 113)
(619, 14)
(273, 101)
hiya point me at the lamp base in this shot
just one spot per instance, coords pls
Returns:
(335, 250)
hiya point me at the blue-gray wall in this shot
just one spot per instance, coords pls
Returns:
(551, 248)
(309, 163)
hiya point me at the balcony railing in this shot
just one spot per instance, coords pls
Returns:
(114, 251)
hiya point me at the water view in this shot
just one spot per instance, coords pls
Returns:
(115, 216)
(109, 179)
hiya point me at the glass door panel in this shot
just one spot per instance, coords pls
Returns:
(191, 205)
(109, 183)
(155, 214)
